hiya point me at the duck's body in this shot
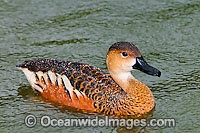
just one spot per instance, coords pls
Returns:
(87, 87)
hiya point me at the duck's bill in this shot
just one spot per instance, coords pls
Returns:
(142, 65)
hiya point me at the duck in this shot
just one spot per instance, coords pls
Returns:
(86, 87)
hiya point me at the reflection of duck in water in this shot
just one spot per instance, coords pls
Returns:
(89, 88)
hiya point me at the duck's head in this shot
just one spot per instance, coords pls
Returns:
(124, 57)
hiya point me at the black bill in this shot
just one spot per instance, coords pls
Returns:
(142, 65)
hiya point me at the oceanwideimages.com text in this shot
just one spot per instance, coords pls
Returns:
(46, 121)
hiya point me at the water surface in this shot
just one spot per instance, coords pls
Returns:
(166, 32)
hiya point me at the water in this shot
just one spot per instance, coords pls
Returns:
(166, 32)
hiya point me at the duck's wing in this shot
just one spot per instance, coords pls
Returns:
(73, 84)
(78, 85)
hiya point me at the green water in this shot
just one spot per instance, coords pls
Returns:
(167, 32)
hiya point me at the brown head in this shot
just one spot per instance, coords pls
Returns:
(124, 57)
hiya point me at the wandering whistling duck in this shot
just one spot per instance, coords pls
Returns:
(87, 87)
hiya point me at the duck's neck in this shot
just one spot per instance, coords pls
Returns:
(128, 83)
(122, 79)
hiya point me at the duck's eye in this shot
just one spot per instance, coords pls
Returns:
(124, 54)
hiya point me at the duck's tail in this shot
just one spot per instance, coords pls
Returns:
(56, 87)
(38, 79)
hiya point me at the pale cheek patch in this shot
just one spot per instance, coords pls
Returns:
(127, 66)
(132, 62)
